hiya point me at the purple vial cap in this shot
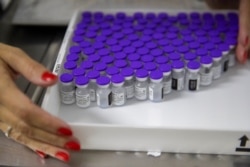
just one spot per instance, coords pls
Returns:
(178, 64)
(177, 42)
(172, 19)
(201, 52)
(87, 65)
(101, 38)
(70, 65)
(151, 45)
(89, 51)
(129, 50)
(86, 14)
(194, 65)
(161, 29)
(147, 58)
(100, 66)
(138, 27)
(174, 56)
(190, 56)
(120, 63)
(103, 52)
(93, 74)
(98, 45)
(148, 32)
(120, 15)
(184, 22)
(158, 36)
(209, 46)
(183, 49)
(223, 47)
(163, 42)
(127, 31)
(117, 78)
(103, 80)
(66, 78)
(185, 32)
(150, 25)
(107, 32)
(107, 59)
(120, 55)
(85, 44)
(182, 15)
(112, 70)
(156, 74)
(127, 72)
(146, 38)
(104, 25)
(138, 15)
(207, 15)
(216, 40)
(171, 36)
(194, 15)
(150, 66)
(94, 58)
(156, 52)
(165, 68)
(200, 33)
(206, 60)
(93, 28)
(163, 15)
(136, 65)
(78, 72)
(72, 57)
(142, 51)
(98, 15)
(133, 37)
(188, 38)
(116, 28)
(231, 41)
(75, 49)
(124, 43)
(133, 57)
(202, 40)
(194, 27)
(168, 49)
(141, 73)
(77, 39)
(194, 45)
(216, 53)
(90, 34)
(150, 16)
(81, 80)
(213, 33)
(116, 48)
(137, 44)
(111, 42)
(161, 60)
(117, 35)
(173, 29)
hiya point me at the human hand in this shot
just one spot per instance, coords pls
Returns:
(20, 118)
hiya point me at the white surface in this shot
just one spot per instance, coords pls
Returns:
(208, 121)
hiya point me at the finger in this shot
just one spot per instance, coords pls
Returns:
(20, 62)
(38, 134)
(44, 148)
(243, 37)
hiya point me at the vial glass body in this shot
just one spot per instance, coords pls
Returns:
(155, 90)
(129, 87)
(178, 76)
(167, 83)
(82, 96)
(67, 93)
(118, 94)
(141, 89)
(192, 82)
(206, 75)
(92, 89)
(217, 68)
(104, 96)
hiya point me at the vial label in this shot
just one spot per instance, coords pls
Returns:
(167, 87)
(225, 65)
(152, 96)
(206, 78)
(130, 91)
(68, 97)
(110, 98)
(141, 93)
(92, 94)
(177, 84)
(83, 100)
(193, 84)
(231, 60)
(216, 72)
(118, 99)
(107, 101)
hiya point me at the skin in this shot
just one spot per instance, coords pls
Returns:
(37, 129)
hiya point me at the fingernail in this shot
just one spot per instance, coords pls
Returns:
(48, 76)
(62, 156)
(65, 131)
(72, 145)
(246, 41)
(41, 154)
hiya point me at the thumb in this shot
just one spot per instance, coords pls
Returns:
(20, 62)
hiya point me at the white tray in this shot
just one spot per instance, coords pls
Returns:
(212, 120)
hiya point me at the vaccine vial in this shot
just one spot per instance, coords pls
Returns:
(128, 74)
(217, 67)
(141, 84)
(118, 91)
(69, 66)
(232, 45)
(67, 88)
(82, 92)
(206, 73)
(92, 76)
(103, 92)
(178, 75)
(167, 78)
(155, 88)
(192, 82)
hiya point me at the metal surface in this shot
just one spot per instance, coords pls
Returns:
(42, 44)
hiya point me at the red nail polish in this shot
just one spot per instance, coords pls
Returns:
(246, 41)
(41, 154)
(65, 131)
(72, 145)
(62, 156)
(48, 76)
